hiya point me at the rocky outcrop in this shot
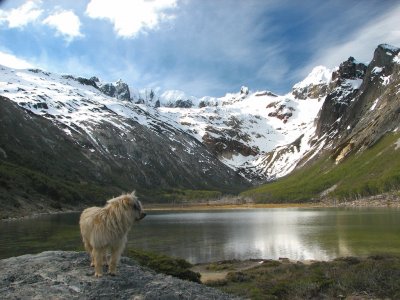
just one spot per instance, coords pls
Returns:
(183, 103)
(92, 81)
(119, 90)
(67, 275)
(281, 111)
(225, 142)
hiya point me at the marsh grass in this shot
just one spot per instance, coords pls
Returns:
(373, 277)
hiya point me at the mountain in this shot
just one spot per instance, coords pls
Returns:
(67, 139)
(355, 150)
(64, 141)
(250, 131)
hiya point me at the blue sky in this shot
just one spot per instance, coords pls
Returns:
(203, 47)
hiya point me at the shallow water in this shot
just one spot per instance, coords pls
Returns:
(204, 236)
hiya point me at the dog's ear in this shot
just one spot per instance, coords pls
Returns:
(128, 201)
(133, 194)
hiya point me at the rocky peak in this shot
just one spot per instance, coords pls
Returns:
(244, 90)
(349, 69)
(345, 83)
(383, 55)
(119, 90)
(122, 90)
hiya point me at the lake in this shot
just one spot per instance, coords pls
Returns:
(204, 236)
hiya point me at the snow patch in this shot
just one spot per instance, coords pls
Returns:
(390, 47)
(397, 145)
(386, 79)
(354, 83)
(374, 104)
(319, 75)
(376, 70)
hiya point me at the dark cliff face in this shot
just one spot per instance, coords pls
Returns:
(341, 90)
(355, 117)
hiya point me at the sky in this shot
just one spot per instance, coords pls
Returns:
(202, 47)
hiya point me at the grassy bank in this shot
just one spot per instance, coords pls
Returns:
(374, 277)
(371, 172)
(368, 278)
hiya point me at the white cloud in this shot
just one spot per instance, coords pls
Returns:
(361, 44)
(66, 22)
(132, 17)
(21, 16)
(11, 61)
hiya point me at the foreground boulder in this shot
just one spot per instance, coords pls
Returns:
(67, 275)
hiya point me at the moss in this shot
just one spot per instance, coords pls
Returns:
(164, 264)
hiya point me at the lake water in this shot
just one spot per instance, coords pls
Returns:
(205, 236)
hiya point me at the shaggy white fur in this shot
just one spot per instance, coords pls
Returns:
(105, 229)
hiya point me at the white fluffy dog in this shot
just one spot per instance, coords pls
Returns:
(105, 229)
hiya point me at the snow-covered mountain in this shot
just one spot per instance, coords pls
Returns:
(258, 134)
(111, 142)
(247, 129)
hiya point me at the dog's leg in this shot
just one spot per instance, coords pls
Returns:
(115, 257)
(98, 255)
(89, 249)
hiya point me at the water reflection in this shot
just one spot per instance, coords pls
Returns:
(209, 236)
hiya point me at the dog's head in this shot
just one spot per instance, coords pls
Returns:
(138, 211)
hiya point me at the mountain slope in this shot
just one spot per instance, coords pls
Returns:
(357, 139)
(64, 129)
(371, 172)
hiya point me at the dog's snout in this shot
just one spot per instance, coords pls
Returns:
(143, 215)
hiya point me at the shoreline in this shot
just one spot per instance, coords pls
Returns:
(379, 201)
(210, 207)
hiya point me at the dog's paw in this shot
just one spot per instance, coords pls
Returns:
(98, 275)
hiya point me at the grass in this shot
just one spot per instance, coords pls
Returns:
(161, 263)
(176, 195)
(372, 277)
(371, 172)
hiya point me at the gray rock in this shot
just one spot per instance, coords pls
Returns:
(67, 275)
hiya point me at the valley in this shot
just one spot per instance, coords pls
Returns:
(69, 141)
